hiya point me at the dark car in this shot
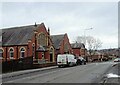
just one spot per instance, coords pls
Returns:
(81, 61)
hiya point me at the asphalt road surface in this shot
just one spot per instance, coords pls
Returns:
(113, 75)
(89, 73)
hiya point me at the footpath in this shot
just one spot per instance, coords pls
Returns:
(18, 73)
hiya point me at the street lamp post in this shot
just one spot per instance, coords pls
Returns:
(85, 39)
(85, 34)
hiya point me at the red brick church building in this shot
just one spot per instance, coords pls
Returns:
(32, 41)
(26, 41)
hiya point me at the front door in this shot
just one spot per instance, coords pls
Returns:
(51, 57)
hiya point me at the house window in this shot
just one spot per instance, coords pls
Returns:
(42, 55)
(51, 55)
(66, 48)
(42, 40)
(22, 53)
(11, 51)
(1, 53)
(33, 49)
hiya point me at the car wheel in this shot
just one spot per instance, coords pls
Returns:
(70, 64)
(59, 66)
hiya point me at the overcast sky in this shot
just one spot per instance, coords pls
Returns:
(66, 17)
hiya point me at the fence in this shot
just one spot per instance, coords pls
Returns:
(19, 64)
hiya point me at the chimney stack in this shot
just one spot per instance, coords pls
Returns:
(48, 31)
(35, 24)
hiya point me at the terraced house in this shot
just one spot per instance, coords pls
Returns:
(27, 41)
(78, 49)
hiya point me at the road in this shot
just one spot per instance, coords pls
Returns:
(89, 73)
(113, 75)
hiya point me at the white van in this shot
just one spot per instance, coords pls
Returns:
(66, 60)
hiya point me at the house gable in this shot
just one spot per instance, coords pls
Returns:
(57, 39)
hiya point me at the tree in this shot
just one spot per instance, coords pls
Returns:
(92, 43)
(80, 39)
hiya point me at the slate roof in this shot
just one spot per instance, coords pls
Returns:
(56, 39)
(77, 45)
(17, 35)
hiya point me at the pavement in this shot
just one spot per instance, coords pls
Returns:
(113, 75)
(17, 73)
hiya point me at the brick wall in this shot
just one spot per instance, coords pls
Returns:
(76, 51)
(63, 43)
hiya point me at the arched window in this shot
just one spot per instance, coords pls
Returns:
(51, 55)
(1, 53)
(33, 49)
(66, 48)
(51, 50)
(42, 55)
(22, 52)
(42, 40)
(11, 52)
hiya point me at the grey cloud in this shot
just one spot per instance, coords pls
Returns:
(64, 17)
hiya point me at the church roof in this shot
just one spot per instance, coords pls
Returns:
(56, 39)
(18, 35)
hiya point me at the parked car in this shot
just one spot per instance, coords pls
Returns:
(66, 60)
(117, 60)
(81, 61)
